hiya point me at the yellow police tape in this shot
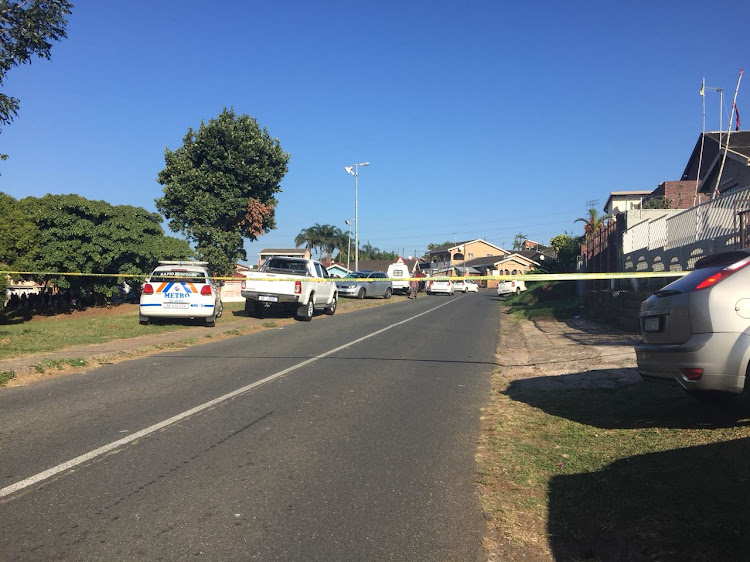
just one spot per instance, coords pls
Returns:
(518, 277)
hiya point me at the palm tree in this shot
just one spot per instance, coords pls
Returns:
(304, 238)
(330, 238)
(320, 237)
(593, 223)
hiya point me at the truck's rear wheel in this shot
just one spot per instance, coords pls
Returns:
(306, 311)
(331, 308)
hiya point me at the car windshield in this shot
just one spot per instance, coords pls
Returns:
(356, 275)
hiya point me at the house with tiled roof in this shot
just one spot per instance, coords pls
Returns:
(444, 259)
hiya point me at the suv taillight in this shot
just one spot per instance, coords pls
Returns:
(206, 290)
(298, 287)
(148, 289)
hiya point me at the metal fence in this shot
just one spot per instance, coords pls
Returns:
(676, 242)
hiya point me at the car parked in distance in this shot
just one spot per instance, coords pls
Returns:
(465, 286)
(364, 284)
(180, 289)
(696, 330)
(436, 287)
(510, 287)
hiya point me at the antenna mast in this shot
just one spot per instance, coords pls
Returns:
(729, 133)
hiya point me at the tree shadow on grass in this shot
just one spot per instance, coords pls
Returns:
(684, 504)
(688, 503)
(618, 399)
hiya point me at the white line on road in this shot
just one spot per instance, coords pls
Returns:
(8, 490)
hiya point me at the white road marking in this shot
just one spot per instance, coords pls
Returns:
(13, 488)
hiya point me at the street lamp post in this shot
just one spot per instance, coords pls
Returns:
(354, 171)
(349, 250)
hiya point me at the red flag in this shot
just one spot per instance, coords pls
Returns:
(737, 114)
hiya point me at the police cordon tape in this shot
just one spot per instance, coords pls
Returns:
(519, 277)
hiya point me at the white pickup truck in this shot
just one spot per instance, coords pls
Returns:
(298, 284)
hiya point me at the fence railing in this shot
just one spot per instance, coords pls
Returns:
(707, 221)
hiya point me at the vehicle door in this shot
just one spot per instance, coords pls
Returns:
(380, 283)
(323, 290)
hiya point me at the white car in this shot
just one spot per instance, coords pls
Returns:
(442, 286)
(180, 289)
(510, 287)
(465, 286)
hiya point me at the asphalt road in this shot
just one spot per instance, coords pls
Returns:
(348, 438)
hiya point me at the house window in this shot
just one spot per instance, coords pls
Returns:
(471, 254)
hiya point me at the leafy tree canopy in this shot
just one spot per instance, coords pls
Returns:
(75, 234)
(568, 248)
(219, 187)
(27, 28)
(19, 235)
(370, 252)
(657, 203)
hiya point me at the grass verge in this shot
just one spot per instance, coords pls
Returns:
(546, 300)
(42, 334)
(628, 474)
(635, 472)
(6, 376)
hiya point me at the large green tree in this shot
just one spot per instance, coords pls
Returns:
(27, 28)
(219, 187)
(567, 249)
(77, 235)
(19, 235)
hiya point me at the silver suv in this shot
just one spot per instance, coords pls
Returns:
(696, 330)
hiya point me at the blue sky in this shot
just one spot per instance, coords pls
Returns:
(480, 119)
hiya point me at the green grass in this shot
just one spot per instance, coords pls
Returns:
(639, 472)
(59, 364)
(546, 300)
(6, 376)
(643, 471)
(41, 334)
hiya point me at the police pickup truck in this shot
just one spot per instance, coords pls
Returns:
(297, 284)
